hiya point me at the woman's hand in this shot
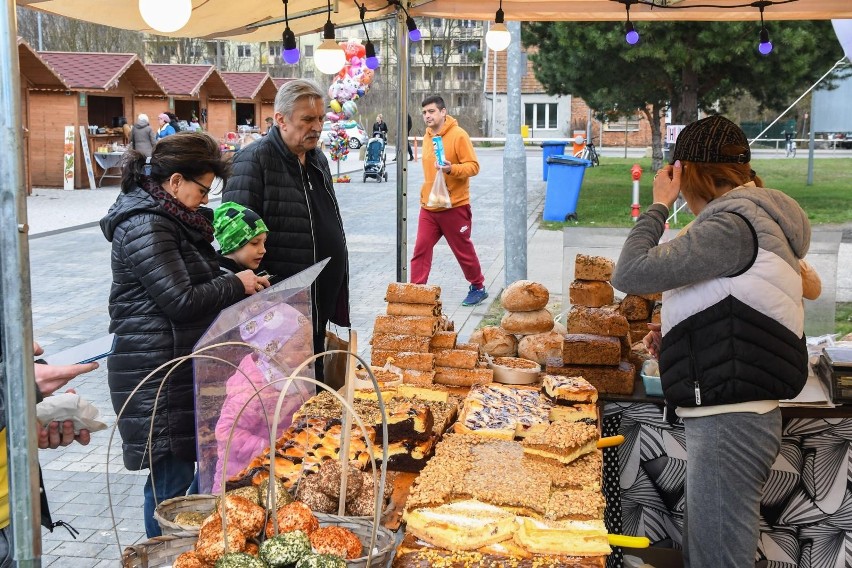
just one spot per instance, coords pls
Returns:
(667, 184)
(252, 282)
(50, 378)
(654, 340)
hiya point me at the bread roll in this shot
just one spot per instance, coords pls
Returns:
(424, 326)
(404, 359)
(412, 293)
(444, 340)
(524, 296)
(636, 308)
(597, 321)
(402, 309)
(456, 358)
(591, 293)
(588, 267)
(494, 341)
(536, 347)
(394, 342)
(527, 323)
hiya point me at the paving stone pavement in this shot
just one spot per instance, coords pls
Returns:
(70, 284)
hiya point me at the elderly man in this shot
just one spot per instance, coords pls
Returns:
(286, 179)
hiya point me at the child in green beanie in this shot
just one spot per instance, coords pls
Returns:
(241, 234)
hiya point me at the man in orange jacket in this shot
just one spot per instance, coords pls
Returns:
(454, 224)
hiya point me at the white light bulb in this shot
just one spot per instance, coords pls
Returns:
(329, 57)
(498, 37)
(165, 15)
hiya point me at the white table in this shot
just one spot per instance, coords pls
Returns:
(109, 161)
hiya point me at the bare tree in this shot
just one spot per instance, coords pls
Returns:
(67, 34)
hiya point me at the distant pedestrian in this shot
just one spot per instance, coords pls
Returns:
(269, 124)
(380, 126)
(166, 291)
(142, 136)
(174, 121)
(166, 129)
(456, 222)
(194, 126)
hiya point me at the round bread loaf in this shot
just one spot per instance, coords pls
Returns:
(524, 296)
(536, 347)
(494, 341)
(527, 323)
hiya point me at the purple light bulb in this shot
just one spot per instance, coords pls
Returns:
(414, 35)
(291, 56)
(632, 37)
(372, 62)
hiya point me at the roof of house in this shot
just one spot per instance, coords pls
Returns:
(187, 80)
(100, 71)
(251, 85)
(279, 81)
(529, 84)
(35, 71)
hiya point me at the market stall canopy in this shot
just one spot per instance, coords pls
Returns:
(101, 71)
(225, 19)
(250, 86)
(187, 80)
(35, 71)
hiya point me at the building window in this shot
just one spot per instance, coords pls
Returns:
(436, 22)
(630, 124)
(309, 73)
(438, 75)
(309, 51)
(466, 74)
(275, 49)
(243, 51)
(437, 50)
(540, 115)
(468, 24)
(468, 46)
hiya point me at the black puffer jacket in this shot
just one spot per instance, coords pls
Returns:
(166, 291)
(267, 179)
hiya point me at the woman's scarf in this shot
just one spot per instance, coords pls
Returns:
(178, 210)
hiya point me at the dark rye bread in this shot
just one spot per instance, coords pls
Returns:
(612, 380)
(589, 349)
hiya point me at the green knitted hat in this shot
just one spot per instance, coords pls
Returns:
(235, 225)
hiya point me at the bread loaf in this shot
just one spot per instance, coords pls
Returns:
(613, 380)
(395, 342)
(655, 297)
(588, 267)
(588, 349)
(638, 355)
(590, 293)
(536, 347)
(636, 308)
(412, 293)
(524, 296)
(404, 359)
(444, 340)
(597, 321)
(463, 377)
(456, 358)
(494, 341)
(469, 347)
(424, 326)
(638, 330)
(400, 309)
(418, 378)
(657, 314)
(527, 323)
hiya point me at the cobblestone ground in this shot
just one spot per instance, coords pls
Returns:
(70, 286)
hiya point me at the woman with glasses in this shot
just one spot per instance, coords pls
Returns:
(166, 290)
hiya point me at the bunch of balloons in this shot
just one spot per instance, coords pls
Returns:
(338, 142)
(350, 84)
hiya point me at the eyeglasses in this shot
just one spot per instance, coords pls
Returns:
(214, 188)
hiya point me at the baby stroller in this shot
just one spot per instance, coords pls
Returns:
(374, 165)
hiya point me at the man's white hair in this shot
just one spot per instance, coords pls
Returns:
(291, 91)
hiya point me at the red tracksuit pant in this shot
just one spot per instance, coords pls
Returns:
(455, 225)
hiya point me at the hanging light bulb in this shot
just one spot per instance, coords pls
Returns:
(631, 36)
(372, 60)
(329, 57)
(165, 15)
(765, 46)
(291, 52)
(413, 33)
(498, 37)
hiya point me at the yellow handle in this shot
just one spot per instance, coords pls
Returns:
(611, 441)
(629, 541)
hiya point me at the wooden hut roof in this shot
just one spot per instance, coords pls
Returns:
(251, 86)
(37, 73)
(187, 80)
(101, 71)
(280, 81)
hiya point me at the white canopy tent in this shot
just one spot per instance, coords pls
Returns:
(249, 20)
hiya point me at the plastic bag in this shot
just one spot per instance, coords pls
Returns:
(439, 197)
(334, 364)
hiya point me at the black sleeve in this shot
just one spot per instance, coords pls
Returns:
(246, 183)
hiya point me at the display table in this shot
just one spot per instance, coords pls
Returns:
(109, 161)
(806, 511)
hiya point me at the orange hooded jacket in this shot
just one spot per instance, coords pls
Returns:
(459, 152)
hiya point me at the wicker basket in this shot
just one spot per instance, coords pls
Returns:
(167, 510)
(362, 527)
(158, 552)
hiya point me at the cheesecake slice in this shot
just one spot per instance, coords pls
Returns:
(568, 538)
(562, 441)
(568, 390)
(463, 525)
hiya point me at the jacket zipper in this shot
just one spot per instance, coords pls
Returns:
(314, 298)
(693, 367)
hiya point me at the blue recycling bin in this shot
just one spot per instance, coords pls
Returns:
(550, 148)
(563, 187)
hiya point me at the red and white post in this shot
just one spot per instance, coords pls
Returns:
(636, 173)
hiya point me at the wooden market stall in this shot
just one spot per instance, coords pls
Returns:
(255, 97)
(198, 89)
(99, 93)
(35, 76)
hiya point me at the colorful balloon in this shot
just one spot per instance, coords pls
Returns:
(350, 109)
(332, 116)
(335, 105)
(367, 77)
